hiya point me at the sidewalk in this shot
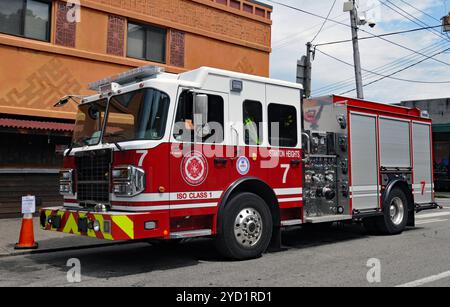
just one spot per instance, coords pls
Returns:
(48, 240)
(442, 194)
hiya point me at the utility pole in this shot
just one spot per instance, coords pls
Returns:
(304, 71)
(355, 21)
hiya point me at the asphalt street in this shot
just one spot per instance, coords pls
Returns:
(341, 256)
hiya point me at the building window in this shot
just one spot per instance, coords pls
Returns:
(282, 125)
(27, 18)
(146, 43)
(252, 117)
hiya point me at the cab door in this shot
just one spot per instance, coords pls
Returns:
(199, 170)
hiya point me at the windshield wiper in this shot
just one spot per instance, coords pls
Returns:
(82, 140)
(118, 146)
(70, 149)
(112, 135)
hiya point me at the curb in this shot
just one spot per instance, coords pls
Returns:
(63, 249)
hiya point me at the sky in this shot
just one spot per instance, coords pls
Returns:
(291, 31)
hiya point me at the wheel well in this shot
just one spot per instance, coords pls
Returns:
(409, 195)
(259, 188)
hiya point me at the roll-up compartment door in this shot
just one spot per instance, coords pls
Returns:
(364, 162)
(423, 183)
(395, 143)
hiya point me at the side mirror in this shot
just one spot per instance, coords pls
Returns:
(307, 138)
(201, 109)
(62, 102)
(201, 116)
(65, 100)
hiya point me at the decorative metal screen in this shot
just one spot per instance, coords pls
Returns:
(93, 175)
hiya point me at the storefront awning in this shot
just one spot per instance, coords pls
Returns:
(441, 128)
(35, 125)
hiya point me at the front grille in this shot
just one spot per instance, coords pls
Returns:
(93, 175)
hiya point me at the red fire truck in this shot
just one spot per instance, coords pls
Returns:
(213, 153)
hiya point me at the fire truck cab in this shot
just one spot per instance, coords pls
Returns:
(236, 157)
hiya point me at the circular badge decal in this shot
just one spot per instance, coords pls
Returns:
(194, 168)
(243, 165)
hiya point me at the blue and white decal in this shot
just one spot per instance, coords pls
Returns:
(243, 165)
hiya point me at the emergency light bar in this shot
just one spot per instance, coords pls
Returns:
(133, 75)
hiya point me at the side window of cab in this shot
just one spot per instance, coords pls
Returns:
(252, 112)
(187, 130)
(282, 125)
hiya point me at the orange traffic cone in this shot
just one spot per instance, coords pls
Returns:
(26, 240)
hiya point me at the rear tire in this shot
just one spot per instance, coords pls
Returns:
(245, 227)
(395, 213)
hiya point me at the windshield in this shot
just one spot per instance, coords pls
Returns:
(89, 123)
(138, 115)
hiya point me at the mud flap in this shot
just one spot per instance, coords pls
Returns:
(275, 243)
(411, 218)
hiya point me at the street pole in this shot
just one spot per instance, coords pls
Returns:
(304, 68)
(308, 69)
(356, 54)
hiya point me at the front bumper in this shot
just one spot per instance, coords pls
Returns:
(113, 226)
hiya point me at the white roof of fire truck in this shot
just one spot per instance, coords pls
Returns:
(196, 79)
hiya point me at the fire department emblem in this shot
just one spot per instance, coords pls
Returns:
(194, 168)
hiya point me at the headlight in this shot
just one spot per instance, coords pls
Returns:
(128, 181)
(66, 182)
(121, 173)
(96, 226)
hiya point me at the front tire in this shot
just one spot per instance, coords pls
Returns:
(245, 227)
(395, 213)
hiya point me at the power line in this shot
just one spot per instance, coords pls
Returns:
(381, 35)
(307, 12)
(366, 77)
(381, 75)
(348, 83)
(406, 48)
(419, 10)
(385, 68)
(398, 71)
(411, 18)
(346, 25)
(288, 38)
(325, 21)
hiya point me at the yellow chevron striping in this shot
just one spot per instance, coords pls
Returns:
(71, 225)
(124, 223)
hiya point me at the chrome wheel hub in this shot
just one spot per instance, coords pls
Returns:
(397, 211)
(248, 227)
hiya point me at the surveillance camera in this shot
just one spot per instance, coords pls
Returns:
(372, 23)
(362, 20)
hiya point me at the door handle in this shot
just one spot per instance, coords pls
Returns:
(220, 161)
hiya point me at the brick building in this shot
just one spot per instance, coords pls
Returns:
(52, 48)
